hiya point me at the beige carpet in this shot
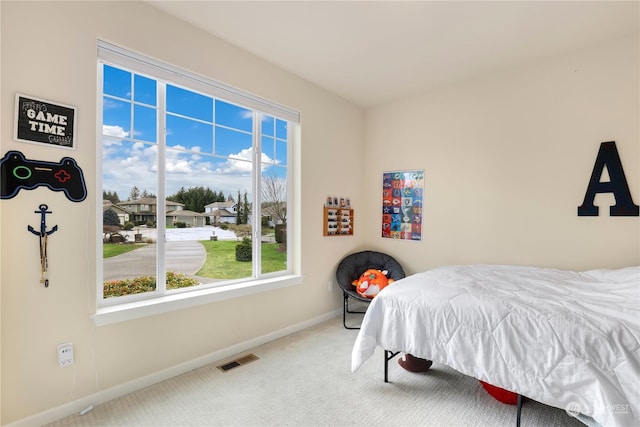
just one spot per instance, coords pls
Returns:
(305, 380)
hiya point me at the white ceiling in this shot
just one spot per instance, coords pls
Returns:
(372, 52)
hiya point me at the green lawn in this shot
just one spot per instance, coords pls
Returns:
(112, 249)
(221, 260)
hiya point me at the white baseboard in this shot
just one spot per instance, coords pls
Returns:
(59, 412)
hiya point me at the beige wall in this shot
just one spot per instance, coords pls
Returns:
(507, 159)
(49, 51)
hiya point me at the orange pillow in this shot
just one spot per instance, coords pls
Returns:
(371, 282)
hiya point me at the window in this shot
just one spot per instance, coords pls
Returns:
(195, 178)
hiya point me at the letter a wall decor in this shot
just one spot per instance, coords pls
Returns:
(617, 184)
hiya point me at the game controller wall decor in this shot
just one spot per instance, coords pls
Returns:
(40, 122)
(17, 172)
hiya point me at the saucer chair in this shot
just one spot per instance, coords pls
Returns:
(350, 269)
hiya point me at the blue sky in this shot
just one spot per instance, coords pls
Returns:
(209, 142)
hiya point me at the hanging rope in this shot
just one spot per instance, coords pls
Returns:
(44, 264)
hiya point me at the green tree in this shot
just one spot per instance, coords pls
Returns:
(110, 224)
(112, 196)
(110, 217)
(245, 210)
(135, 193)
(238, 209)
(274, 196)
(145, 195)
(178, 197)
(195, 198)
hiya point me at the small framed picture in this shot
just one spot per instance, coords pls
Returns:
(39, 121)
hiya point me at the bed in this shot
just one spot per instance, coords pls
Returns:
(563, 338)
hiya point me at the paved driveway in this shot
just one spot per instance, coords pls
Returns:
(183, 253)
(182, 256)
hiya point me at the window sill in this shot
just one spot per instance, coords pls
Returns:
(150, 307)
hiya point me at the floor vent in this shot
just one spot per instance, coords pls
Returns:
(238, 362)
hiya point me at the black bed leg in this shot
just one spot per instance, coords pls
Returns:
(386, 366)
(388, 355)
(520, 399)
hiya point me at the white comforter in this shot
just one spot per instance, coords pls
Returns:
(566, 339)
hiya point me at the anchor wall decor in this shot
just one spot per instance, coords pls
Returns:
(43, 234)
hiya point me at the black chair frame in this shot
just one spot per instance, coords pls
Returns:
(350, 269)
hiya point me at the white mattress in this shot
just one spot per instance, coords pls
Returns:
(566, 339)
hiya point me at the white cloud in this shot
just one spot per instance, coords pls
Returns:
(132, 164)
(240, 163)
(115, 131)
(180, 166)
(110, 104)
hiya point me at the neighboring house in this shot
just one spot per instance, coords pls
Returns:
(271, 212)
(123, 214)
(144, 210)
(222, 212)
(192, 219)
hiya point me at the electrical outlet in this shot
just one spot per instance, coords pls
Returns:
(65, 354)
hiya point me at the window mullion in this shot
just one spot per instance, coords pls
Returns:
(161, 214)
(99, 203)
(256, 223)
(213, 130)
(293, 140)
(132, 109)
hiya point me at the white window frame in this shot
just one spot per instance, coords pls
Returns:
(141, 305)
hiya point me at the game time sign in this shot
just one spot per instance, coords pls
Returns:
(43, 122)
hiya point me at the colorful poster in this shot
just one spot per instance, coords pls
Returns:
(402, 194)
